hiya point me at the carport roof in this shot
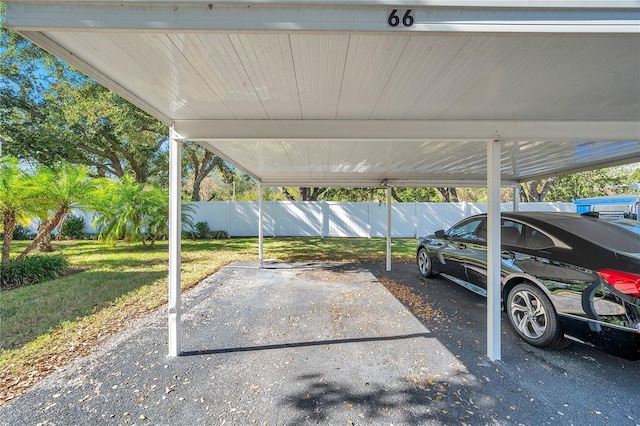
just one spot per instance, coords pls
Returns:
(328, 93)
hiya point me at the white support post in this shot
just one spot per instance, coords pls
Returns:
(516, 198)
(175, 228)
(493, 251)
(260, 226)
(388, 228)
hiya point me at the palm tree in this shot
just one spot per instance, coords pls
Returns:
(133, 211)
(121, 209)
(15, 203)
(58, 192)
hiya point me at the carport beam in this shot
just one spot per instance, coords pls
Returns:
(175, 226)
(493, 251)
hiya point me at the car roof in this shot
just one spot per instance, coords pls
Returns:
(600, 231)
(544, 216)
(547, 217)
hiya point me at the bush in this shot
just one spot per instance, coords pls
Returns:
(22, 233)
(32, 270)
(201, 231)
(219, 235)
(72, 228)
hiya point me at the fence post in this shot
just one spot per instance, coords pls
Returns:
(325, 219)
(229, 218)
(275, 218)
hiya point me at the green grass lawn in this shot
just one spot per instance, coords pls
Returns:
(46, 325)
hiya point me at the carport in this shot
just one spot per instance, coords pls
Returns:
(361, 93)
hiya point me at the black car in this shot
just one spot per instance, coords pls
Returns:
(564, 275)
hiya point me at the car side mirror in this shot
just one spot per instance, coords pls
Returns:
(440, 233)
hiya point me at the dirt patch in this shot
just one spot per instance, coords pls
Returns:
(415, 303)
(323, 275)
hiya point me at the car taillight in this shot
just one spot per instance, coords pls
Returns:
(625, 282)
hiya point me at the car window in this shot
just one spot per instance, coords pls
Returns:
(535, 239)
(511, 233)
(607, 233)
(467, 230)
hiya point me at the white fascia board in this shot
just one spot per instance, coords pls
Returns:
(370, 183)
(311, 16)
(459, 183)
(552, 4)
(469, 130)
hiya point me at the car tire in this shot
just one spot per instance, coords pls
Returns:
(424, 263)
(534, 318)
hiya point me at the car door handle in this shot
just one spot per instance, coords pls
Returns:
(462, 246)
(507, 255)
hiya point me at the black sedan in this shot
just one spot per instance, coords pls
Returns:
(564, 276)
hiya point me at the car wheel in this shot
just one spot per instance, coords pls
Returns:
(424, 263)
(533, 316)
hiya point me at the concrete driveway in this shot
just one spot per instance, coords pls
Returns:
(330, 344)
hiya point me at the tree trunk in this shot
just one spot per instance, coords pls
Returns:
(396, 196)
(60, 225)
(547, 186)
(317, 192)
(46, 230)
(310, 194)
(450, 194)
(9, 226)
(196, 189)
(287, 195)
(44, 246)
(531, 190)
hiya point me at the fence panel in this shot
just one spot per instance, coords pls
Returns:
(299, 219)
(336, 219)
(346, 219)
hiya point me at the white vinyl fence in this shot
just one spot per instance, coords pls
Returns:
(338, 219)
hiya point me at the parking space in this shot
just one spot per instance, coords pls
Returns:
(330, 344)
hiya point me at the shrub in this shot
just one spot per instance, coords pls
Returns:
(72, 227)
(219, 235)
(201, 231)
(22, 233)
(32, 270)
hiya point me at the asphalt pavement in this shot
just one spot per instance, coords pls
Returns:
(296, 344)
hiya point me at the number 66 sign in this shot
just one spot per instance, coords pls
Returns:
(397, 18)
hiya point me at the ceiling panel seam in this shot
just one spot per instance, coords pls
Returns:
(197, 72)
(391, 74)
(244, 68)
(437, 77)
(344, 68)
(500, 58)
(295, 74)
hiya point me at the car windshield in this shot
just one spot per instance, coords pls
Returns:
(616, 234)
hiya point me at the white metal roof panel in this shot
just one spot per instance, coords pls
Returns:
(312, 92)
(409, 163)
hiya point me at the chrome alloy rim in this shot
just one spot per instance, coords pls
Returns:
(528, 314)
(422, 261)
